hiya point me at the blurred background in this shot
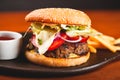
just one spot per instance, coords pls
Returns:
(20, 5)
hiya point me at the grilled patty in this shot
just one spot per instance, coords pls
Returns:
(64, 50)
(67, 48)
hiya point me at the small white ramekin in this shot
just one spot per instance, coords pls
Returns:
(9, 49)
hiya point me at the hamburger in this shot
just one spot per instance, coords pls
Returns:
(59, 37)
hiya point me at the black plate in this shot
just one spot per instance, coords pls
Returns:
(22, 67)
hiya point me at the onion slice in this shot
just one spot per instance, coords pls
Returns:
(71, 41)
(33, 41)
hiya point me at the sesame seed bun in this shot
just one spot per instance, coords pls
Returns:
(59, 16)
(56, 62)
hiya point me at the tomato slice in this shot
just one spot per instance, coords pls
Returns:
(84, 39)
(57, 42)
(73, 38)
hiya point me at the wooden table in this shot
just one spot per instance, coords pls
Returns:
(107, 22)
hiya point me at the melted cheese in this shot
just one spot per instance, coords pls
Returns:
(47, 39)
(45, 33)
(72, 55)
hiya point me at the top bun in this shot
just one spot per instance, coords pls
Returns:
(59, 16)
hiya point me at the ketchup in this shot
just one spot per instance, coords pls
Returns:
(6, 38)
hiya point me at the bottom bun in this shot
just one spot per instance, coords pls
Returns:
(56, 62)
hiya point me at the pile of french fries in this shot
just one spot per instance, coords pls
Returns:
(100, 40)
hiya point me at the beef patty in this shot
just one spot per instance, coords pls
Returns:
(64, 50)
(67, 48)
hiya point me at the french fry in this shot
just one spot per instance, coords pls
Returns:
(92, 39)
(95, 44)
(118, 48)
(103, 41)
(108, 38)
(106, 43)
(100, 40)
(117, 41)
(92, 49)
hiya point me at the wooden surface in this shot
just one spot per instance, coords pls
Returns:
(107, 22)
